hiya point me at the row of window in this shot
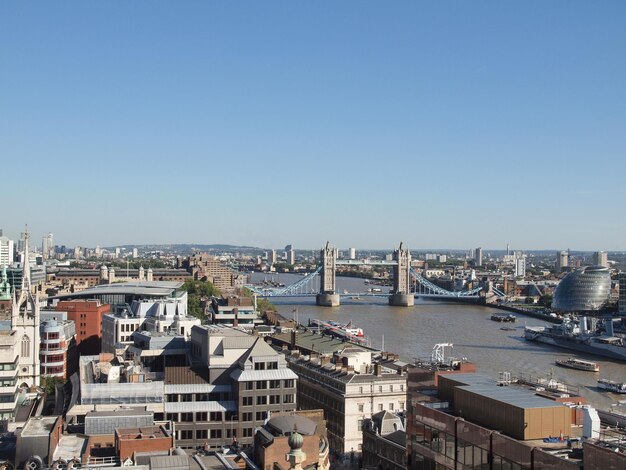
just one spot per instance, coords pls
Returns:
(265, 384)
(273, 365)
(383, 388)
(265, 399)
(201, 416)
(193, 397)
(188, 434)
(381, 407)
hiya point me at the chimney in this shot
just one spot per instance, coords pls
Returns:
(378, 370)
(292, 344)
(236, 320)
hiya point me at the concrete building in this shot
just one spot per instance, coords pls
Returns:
(7, 251)
(352, 253)
(384, 442)
(601, 258)
(291, 257)
(37, 442)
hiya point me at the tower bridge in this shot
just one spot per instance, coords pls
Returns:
(407, 283)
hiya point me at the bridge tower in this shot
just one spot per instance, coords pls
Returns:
(401, 295)
(328, 296)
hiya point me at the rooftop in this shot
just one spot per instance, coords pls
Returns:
(39, 426)
(152, 288)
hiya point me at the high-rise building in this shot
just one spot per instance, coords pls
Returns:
(601, 258)
(271, 257)
(7, 251)
(135, 253)
(291, 257)
(478, 256)
(352, 253)
(520, 267)
(562, 261)
(622, 294)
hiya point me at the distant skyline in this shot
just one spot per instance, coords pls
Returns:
(459, 124)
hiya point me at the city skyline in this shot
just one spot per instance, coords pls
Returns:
(477, 124)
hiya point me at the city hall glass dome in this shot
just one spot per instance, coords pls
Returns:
(585, 289)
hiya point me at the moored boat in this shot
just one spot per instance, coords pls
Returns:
(579, 364)
(612, 385)
(504, 318)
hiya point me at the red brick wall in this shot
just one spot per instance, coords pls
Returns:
(87, 316)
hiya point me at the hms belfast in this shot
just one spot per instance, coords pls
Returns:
(578, 337)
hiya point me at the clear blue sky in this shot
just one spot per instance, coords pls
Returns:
(448, 124)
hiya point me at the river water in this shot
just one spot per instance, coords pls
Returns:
(412, 332)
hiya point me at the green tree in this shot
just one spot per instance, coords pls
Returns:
(196, 291)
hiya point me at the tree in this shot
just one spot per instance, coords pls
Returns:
(196, 291)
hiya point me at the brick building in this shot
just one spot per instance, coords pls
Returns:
(87, 316)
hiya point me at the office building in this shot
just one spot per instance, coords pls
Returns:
(601, 258)
(350, 386)
(291, 257)
(520, 266)
(562, 261)
(205, 267)
(622, 294)
(478, 256)
(160, 315)
(7, 251)
(352, 253)
(87, 317)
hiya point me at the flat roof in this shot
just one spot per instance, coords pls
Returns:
(118, 412)
(39, 426)
(513, 395)
(153, 288)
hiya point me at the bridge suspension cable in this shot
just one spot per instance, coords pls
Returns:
(428, 288)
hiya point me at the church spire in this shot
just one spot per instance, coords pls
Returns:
(26, 264)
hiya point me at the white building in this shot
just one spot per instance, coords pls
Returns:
(601, 258)
(7, 251)
(19, 344)
(154, 315)
(478, 256)
(562, 261)
(520, 267)
(352, 253)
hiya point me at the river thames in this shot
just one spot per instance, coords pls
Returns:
(413, 331)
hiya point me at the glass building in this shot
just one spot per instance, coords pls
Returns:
(585, 289)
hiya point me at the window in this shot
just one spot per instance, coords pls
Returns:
(216, 433)
(247, 432)
(380, 407)
(274, 399)
(186, 417)
(289, 399)
(202, 416)
(380, 388)
(248, 386)
(216, 416)
(401, 405)
(290, 383)
(361, 390)
(201, 434)
(26, 346)
(360, 407)
(402, 388)
(186, 397)
(259, 366)
(261, 384)
(261, 400)
(274, 383)
(246, 417)
(390, 406)
(261, 415)
(246, 401)
(391, 388)
(272, 365)
(359, 423)
(187, 434)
